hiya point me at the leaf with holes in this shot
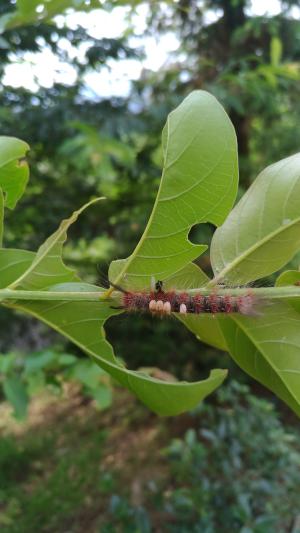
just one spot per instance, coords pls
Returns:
(47, 267)
(198, 184)
(13, 264)
(82, 323)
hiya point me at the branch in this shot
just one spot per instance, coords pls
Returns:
(270, 293)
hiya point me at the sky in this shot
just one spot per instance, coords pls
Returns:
(115, 78)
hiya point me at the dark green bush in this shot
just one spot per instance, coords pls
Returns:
(238, 472)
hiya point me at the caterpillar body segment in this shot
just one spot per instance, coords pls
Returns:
(163, 303)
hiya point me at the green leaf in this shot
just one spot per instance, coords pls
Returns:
(198, 184)
(40, 361)
(14, 171)
(1, 216)
(275, 51)
(47, 267)
(7, 362)
(13, 263)
(66, 359)
(102, 396)
(87, 373)
(268, 349)
(262, 233)
(290, 277)
(82, 323)
(15, 393)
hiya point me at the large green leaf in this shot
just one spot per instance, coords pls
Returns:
(47, 267)
(14, 170)
(262, 233)
(268, 349)
(82, 323)
(199, 184)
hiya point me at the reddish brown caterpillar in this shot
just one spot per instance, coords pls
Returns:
(162, 302)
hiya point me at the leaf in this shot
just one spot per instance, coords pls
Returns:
(87, 373)
(268, 349)
(275, 51)
(13, 263)
(290, 277)
(40, 361)
(1, 216)
(14, 170)
(262, 232)
(15, 393)
(102, 396)
(47, 267)
(82, 323)
(198, 184)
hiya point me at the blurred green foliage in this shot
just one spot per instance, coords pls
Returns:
(235, 469)
(25, 375)
(239, 470)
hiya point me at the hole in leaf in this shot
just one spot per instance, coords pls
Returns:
(145, 341)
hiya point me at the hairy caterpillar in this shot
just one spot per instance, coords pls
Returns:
(160, 302)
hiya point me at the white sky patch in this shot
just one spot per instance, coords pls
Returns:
(38, 69)
(114, 79)
(265, 7)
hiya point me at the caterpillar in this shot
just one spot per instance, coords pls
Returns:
(160, 302)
